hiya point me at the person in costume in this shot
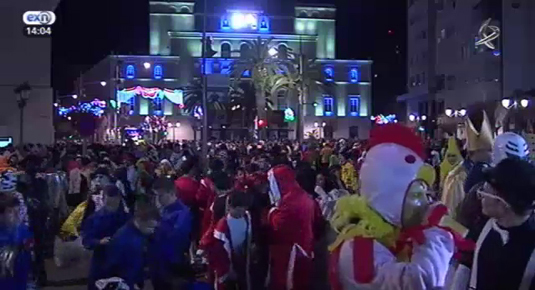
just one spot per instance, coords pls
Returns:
(229, 247)
(98, 229)
(16, 244)
(479, 146)
(171, 240)
(295, 222)
(390, 236)
(506, 145)
(504, 257)
(452, 158)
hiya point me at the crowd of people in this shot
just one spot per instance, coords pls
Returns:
(392, 212)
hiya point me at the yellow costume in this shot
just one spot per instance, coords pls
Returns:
(453, 189)
(446, 167)
(71, 226)
(349, 177)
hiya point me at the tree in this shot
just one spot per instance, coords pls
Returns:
(300, 79)
(243, 100)
(193, 98)
(261, 66)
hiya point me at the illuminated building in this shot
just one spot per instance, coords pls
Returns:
(175, 60)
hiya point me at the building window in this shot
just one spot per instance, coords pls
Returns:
(158, 72)
(282, 51)
(281, 100)
(225, 50)
(244, 50)
(354, 75)
(328, 105)
(329, 74)
(354, 105)
(130, 71)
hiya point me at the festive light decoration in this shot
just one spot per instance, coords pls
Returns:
(174, 96)
(289, 115)
(154, 124)
(487, 34)
(95, 107)
(382, 119)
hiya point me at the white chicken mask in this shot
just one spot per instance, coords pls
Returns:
(390, 168)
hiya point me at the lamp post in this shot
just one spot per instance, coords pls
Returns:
(519, 100)
(455, 113)
(23, 94)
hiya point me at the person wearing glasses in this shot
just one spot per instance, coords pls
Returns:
(504, 256)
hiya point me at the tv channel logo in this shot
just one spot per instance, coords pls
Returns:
(39, 18)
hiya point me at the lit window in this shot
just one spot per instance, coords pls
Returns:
(246, 73)
(354, 105)
(244, 50)
(225, 24)
(130, 72)
(329, 73)
(158, 72)
(264, 24)
(328, 106)
(225, 50)
(354, 75)
(157, 106)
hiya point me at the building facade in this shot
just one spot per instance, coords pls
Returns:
(175, 60)
(25, 59)
(461, 71)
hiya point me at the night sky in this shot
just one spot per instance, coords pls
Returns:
(87, 31)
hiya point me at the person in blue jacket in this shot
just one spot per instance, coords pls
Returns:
(100, 227)
(16, 244)
(168, 249)
(126, 255)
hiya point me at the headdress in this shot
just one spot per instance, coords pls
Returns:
(482, 139)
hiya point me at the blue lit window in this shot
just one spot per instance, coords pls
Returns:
(354, 105)
(328, 106)
(246, 73)
(264, 24)
(329, 73)
(354, 75)
(158, 72)
(225, 67)
(132, 105)
(225, 24)
(130, 71)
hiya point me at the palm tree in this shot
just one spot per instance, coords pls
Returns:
(242, 99)
(193, 98)
(261, 67)
(302, 81)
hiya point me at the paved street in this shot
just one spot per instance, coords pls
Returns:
(70, 278)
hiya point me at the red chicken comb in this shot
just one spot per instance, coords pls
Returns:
(398, 134)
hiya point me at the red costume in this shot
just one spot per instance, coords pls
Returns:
(187, 188)
(293, 224)
(205, 199)
(224, 261)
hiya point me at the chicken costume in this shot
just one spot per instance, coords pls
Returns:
(384, 240)
(294, 222)
(453, 188)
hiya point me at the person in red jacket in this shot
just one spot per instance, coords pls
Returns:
(186, 185)
(294, 222)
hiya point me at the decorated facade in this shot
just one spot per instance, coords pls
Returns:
(163, 83)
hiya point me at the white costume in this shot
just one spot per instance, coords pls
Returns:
(390, 185)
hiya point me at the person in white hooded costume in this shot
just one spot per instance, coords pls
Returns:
(373, 249)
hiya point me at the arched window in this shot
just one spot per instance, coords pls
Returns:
(130, 71)
(225, 50)
(303, 14)
(315, 14)
(158, 72)
(244, 50)
(282, 51)
(184, 9)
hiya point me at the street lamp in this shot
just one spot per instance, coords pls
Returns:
(316, 124)
(23, 94)
(146, 65)
(455, 113)
(75, 97)
(272, 51)
(103, 83)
